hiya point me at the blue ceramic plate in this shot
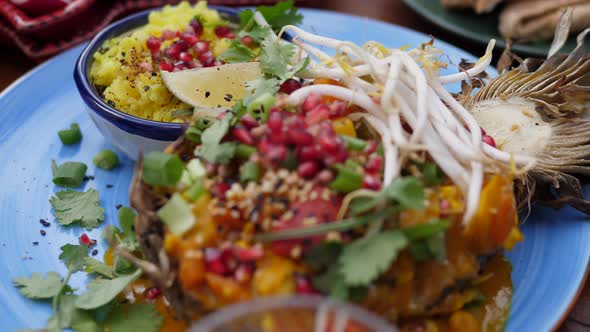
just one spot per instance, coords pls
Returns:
(548, 268)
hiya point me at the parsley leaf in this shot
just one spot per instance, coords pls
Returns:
(74, 256)
(139, 317)
(363, 260)
(237, 52)
(261, 86)
(36, 287)
(73, 206)
(408, 192)
(211, 149)
(100, 292)
(96, 266)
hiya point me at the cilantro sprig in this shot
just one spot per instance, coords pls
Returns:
(277, 16)
(78, 207)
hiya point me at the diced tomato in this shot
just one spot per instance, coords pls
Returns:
(304, 214)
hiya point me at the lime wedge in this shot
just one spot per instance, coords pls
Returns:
(212, 87)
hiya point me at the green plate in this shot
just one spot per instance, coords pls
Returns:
(480, 28)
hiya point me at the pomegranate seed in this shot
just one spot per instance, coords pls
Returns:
(207, 59)
(214, 261)
(241, 134)
(300, 137)
(152, 293)
(289, 86)
(276, 154)
(189, 38)
(219, 189)
(307, 153)
(168, 34)
(249, 254)
(264, 146)
(185, 57)
(201, 47)
(371, 183)
(374, 164)
(303, 285)
(153, 44)
(337, 109)
(146, 66)
(222, 31)
(230, 35)
(243, 273)
(175, 49)
(317, 115)
(197, 27)
(248, 121)
(489, 140)
(308, 169)
(330, 143)
(191, 64)
(371, 147)
(179, 67)
(247, 40)
(444, 207)
(165, 66)
(483, 131)
(295, 122)
(275, 122)
(84, 239)
(311, 102)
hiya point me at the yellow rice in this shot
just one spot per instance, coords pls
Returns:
(134, 90)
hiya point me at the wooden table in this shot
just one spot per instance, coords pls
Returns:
(13, 64)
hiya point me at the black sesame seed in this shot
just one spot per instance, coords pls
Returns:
(123, 53)
(118, 206)
(42, 232)
(94, 252)
(36, 243)
(207, 94)
(44, 222)
(109, 185)
(89, 177)
(154, 73)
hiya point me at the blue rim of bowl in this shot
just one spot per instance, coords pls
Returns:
(157, 130)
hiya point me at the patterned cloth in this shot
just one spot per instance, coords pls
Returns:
(44, 35)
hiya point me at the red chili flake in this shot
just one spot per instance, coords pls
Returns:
(152, 293)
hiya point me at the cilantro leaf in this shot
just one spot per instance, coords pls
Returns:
(323, 255)
(426, 230)
(408, 192)
(36, 287)
(211, 149)
(274, 58)
(332, 282)
(78, 207)
(101, 292)
(138, 317)
(277, 16)
(96, 266)
(68, 316)
(261, 86)
(257, 33)
(237, 52)
(363, 260)
(127, 221)
(74, 256)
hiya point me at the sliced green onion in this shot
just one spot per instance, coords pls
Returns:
(427, 230)
(260, 106)
(106, 159)
(354, 143)
(250, 172)
(336, 226)
(193, 134)
(195, 191)
(177, 215)
(204, 123)
(195, 169)
(162, 169)
(68, 174)
(70, 136)
(346, 180)
(244, 151)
